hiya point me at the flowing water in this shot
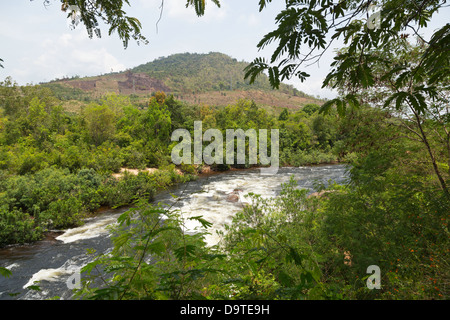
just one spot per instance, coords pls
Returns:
(54, 261)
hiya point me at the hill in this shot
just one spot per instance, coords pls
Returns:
(213, 79)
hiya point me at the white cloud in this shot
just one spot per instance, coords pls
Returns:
(251, 20)
(313, 86)
(146, 4)
(68, 55)
(66, 39)
(96, 61)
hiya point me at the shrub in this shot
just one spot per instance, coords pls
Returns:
(128, 189)
(64, 213)
(17, 227)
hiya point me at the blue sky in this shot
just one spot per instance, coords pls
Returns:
(37, 45)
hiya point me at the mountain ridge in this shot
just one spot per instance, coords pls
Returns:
(194, 78)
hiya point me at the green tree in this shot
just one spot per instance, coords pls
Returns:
(38, 120)
(156, 122)
(284, 115)
(403, 87)
(303, 27)
(100, 123)
(391, 212)
(412, 82)
(311, 108)
(324, 129)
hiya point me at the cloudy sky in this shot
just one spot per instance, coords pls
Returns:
(37, 44)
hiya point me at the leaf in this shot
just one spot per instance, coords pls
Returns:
(153, 233)
(185, 251)
(274, 77)
(388, 101)
(204, 223)
(340, 107)
(417, 101)
(122, 239)
(295, 256)
(156, 247)
(88, 267)
(302, 75)
(316, 273)
(400, 81)
(111, 293)
(393, 70)
(400, 97)
(280, 49)
(263, 4)
(34, 287)
(306, 279)
(325, 108)
(352, 100)
(214, 256)
(5, 272)
(200, 5)
(328, 78)
(364, 76)
(124, 217)
(255, 68)
(285, 279)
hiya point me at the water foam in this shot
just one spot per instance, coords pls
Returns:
(220, 200)
(48, 275)
(89, 230)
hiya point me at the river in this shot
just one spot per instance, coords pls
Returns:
(217, 197)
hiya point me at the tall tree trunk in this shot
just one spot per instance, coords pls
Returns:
(433, 160)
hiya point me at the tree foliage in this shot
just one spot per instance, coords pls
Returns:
(113, 14)
(403, 87)
(303, 27)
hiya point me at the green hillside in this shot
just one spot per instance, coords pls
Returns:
(192, 72)
(213, 79)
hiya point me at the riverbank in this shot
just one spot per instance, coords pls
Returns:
(57, 199)
(66, 200)
(58, 256)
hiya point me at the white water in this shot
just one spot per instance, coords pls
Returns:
(52, 263)
(91, 229)
(220, 200)
(214, 204)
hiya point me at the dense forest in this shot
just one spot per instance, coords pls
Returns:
(57, 166)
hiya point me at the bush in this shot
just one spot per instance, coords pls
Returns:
(400, 230)
(17, 227)
(302, 158)
(133, 158)
(129, 188)
(50, 198)
(89, 189)
(63, 213)
(106, 158)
